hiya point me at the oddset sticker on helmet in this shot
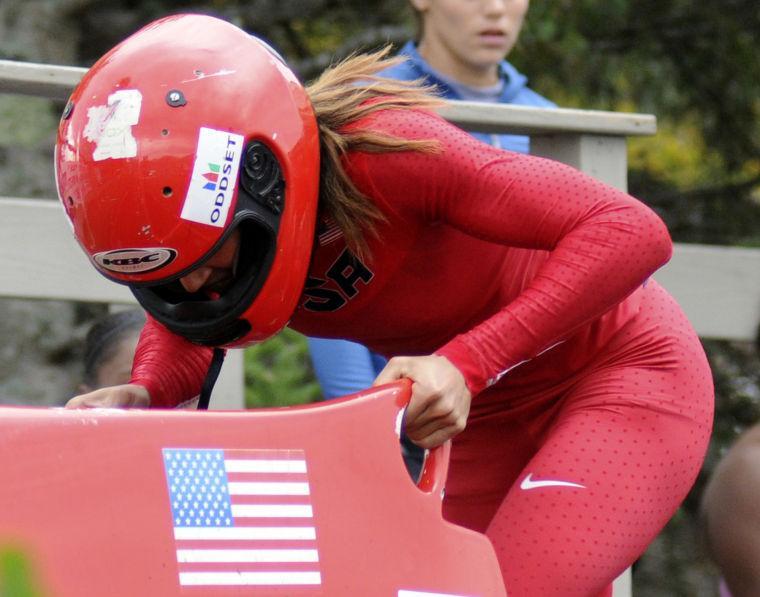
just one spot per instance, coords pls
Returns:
(134, 261)
(110, 126)
(215, 171)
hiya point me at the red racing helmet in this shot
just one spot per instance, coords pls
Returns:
(185, 131)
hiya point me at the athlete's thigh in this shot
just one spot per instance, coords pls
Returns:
(485, 460)
(612, 469)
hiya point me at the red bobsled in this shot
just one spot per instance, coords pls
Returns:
(297, 502)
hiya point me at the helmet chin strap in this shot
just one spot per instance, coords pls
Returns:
(215, 366)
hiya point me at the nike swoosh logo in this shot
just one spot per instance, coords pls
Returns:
(529, 483)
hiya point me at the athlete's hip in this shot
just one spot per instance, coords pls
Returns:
(647, 331)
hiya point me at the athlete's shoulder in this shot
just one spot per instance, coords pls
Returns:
(413, 123)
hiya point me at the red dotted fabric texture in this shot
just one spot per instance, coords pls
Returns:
(631, 427)
(603, 243)
(170, 367)
(621, 402)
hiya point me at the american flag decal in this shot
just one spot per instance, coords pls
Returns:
(328, 231)
(242, 517)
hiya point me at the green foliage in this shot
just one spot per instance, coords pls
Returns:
(278, 372)
(689, 64)
(25, 121)
(16, 575)
(677, 155)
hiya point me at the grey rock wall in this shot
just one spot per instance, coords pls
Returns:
(40, 355)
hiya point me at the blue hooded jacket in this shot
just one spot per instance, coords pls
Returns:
(515, 91)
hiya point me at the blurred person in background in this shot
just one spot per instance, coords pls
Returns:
(731, 517)
(109, 349)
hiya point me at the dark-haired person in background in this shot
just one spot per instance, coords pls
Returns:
(109, 349)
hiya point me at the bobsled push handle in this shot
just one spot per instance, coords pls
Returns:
(432, 479)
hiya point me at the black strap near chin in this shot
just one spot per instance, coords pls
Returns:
(211, 376)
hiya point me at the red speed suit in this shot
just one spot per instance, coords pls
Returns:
(592, 397)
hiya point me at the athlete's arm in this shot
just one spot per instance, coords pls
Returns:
(168, 371)
(169, 367)
(603, 243)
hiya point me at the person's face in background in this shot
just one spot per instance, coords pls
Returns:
(116, 370)
(466, 39)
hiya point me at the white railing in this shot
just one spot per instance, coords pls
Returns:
(719, 287)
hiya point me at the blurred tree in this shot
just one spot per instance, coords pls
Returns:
(691, 64)
(278, 372)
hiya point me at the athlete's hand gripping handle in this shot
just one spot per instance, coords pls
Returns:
(440, 401)
(432, 478)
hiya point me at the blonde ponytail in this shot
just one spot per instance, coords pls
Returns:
(342, 95)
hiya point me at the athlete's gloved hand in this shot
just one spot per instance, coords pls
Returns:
(440, 400)
(123, 396)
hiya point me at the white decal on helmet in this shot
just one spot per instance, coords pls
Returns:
(110, 126)
(215, 172)
(134, 261)
(222, 72)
